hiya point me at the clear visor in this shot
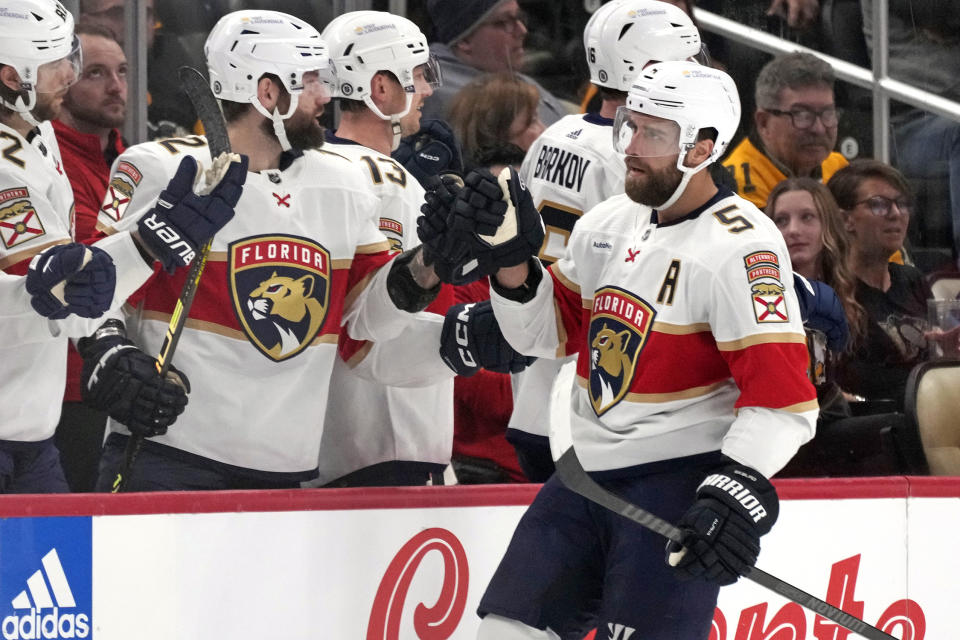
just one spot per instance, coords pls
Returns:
(320, 83)
(638, 134)
(702, 58)
(427, 76)
(58, 75)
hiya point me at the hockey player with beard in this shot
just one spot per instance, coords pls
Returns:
(44, 272)
(302, 257)
(397, 430)
(573, 166)
(691, 375)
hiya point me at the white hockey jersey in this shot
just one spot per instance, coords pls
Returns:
(300, 258)
(571, 168)
(407, 414)
(688, 336)
(36, 212)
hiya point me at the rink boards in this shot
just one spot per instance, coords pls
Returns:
(412, 563)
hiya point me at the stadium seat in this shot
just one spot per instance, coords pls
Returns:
(933, 406)
(945, 286)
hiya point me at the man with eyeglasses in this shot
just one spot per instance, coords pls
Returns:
(795, 128)
(475, 37)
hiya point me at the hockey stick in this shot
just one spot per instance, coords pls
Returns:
(205, 104)
(573, 476)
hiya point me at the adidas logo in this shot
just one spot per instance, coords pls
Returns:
(36, 624)
(573, 135)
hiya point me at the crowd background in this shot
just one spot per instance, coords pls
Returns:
(924, 49)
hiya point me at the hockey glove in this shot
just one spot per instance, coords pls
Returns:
(821, 309)
(498, 216)
(432, 151)
(722, 530)
(471, 339)
(123, 381)
(71, 278)
(446, 252)
(182, 221)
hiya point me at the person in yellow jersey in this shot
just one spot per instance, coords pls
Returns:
(795, 128)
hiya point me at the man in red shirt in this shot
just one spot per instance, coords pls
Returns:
(89, 138)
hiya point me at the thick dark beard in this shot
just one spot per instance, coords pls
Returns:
(655, 188)
(43, 111)
(303, 136)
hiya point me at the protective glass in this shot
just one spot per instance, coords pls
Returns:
(881, 205)
(644, 136)
(427, 75)
(58, 75)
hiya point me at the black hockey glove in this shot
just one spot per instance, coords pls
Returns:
(822, 310)
(497, 214)
(71, 278)
(445, 251)
(734, 507)
(432, 151)
(471, 339)
(182, 221)
(123, 381)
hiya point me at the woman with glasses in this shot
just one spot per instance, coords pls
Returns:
(875, 202)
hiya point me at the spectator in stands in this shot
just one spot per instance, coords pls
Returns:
(924, 51)
(875, 201)
(495, 118)
(478, 36)
(169, 111)
(808, 217)
(795, 127)
(89, 137)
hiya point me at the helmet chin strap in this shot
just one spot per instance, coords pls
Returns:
(685, 180)
(23, 108)
(395, 127)
(278, 129)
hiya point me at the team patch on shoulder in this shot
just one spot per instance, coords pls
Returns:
(766, 287)
(119, 192)
(280, 286)
(393, 229)
(19, 220)
(130, 171)
(619, 325)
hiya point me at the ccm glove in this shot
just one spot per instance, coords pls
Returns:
(721, 531)
(183, 221)
(822, 310)
(471, 339)
(497, 214)
(445, 251)
(432, 151)
(123, 381)
(71, 278)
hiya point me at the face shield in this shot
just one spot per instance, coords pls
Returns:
(320, 83)
(58, 75)
(427, 76)
(702, 58)
(643, 136)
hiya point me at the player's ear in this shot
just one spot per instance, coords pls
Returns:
(9, 77)
(269, 92)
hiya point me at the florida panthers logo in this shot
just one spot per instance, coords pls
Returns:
(19, 221)
(280, 287)
(619, 326)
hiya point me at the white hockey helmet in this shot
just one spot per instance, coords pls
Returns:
(245, 45)
(668, 105)
(37, 40)
(363, 43)
(623, 36)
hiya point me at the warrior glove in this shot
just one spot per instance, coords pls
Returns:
(183, 221)
(496, 213)
(71, 278)
(120, 379)
(471, 339)
(822, 310)
(721, 531)
(432, 151)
